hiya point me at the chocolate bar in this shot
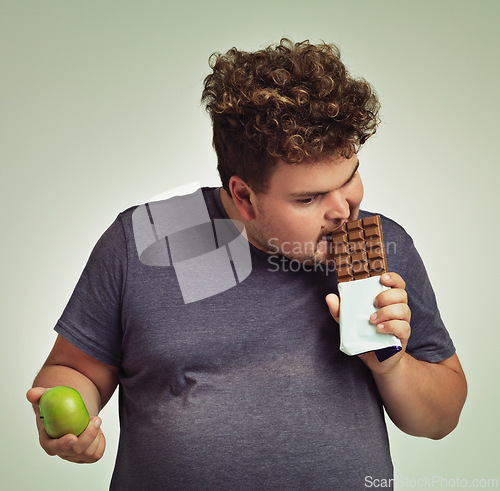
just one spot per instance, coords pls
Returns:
(358, 248)
(359, 252)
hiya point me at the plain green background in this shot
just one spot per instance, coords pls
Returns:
(99, 110)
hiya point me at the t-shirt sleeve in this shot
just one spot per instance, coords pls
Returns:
(429, 339)
(91, 320)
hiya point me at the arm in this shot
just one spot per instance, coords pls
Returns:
(96, 382)
(422, 399)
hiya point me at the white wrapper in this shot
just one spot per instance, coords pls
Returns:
(357, 334)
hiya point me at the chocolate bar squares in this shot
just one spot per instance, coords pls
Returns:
(358, 248)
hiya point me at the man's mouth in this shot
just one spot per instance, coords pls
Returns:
(328, 236)
(327, 239)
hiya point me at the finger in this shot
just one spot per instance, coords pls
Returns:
(392, 296)
(400, 329)
(91, 454)
(100, 446)
(398, 311)
(83, 454)
(333, 303)
(96, 449)
(69, 443)
(392, 280)
(33, 395)
(88, 436)
(57, 446)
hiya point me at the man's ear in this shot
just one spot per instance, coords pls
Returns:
(242, 197)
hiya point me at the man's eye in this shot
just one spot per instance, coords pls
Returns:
(307, 201)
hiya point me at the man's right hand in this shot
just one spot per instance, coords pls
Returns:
(84, 449)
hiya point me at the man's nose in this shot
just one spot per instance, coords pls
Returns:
(338, 207)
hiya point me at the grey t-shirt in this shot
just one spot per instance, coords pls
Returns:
(244, 389)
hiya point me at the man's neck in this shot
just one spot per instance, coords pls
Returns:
(234, 214)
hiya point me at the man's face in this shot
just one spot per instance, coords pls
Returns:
(303, 203)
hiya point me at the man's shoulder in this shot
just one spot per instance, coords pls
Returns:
(182, 219)
(183, 203)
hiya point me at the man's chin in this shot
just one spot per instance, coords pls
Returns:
(318, 257)
(322, 259)
(323, 252)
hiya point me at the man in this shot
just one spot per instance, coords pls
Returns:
(242, 385)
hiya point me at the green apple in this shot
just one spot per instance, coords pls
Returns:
(63, 411)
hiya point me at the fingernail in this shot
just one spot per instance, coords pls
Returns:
(380, 326)
(386, 277)
(373, 316)
(97, 423)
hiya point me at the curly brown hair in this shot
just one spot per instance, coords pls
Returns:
(290, 102)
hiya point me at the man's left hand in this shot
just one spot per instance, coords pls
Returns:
(392, 317)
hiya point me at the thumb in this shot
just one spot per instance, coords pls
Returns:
(333, 303)
(33, 395)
